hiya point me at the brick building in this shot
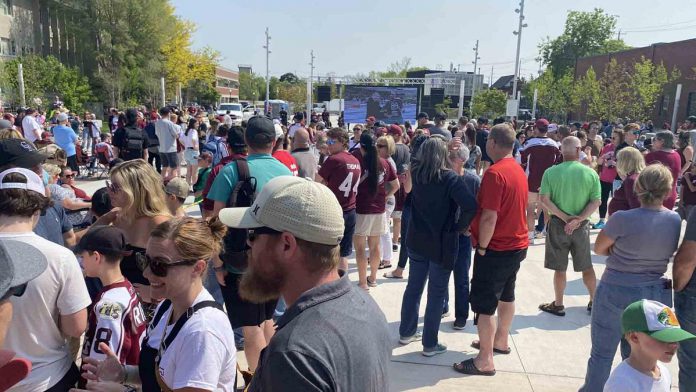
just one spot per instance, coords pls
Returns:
(227, 84)
(680, 55)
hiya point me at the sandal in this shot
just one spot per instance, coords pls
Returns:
(477, 345)
(553, 308)
(371, 283)
(468, 367)
(383, 264)
(390, 275)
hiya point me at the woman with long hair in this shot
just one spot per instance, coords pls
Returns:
(607, 162)
(685, 151)
(635, 267)
(377, 182)
(629, 164)
(139, 201)
(189, 344)
(189, 139)
(386, 148)
(442, 205)
(473, 164)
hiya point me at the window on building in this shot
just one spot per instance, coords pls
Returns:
(4, 47)
(5, 7)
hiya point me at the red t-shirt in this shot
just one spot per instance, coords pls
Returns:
(342, 174)
(288, 160)
(365, 203)
(208, 204)
(672, 160)
(504, 190)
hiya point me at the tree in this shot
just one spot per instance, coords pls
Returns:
(648, 80)
(587, 95)
(585, 34)
(554, 95)
(289, 77)
(251, 87)
(490, 103)
(294, 93)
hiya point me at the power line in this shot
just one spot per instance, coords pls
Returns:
(661, 25)
(660, 29)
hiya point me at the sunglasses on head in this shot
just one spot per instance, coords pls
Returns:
(111, 187)
(254, 233)
(159, 265)
(330, 142)
(17, 291)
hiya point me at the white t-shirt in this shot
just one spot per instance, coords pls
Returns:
(29, 125)
(203, 354)
(33, 333)
(190, 141)
(293, 128)
(627, 379)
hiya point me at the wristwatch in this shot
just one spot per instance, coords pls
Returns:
(481, 250)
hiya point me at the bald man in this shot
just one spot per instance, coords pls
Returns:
(571, 192)
(306, 160)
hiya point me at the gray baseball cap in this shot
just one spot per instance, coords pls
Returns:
(19, 263)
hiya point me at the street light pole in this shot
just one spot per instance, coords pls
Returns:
(268, 80)
(518, 33)
(310, 93)
(473, 80)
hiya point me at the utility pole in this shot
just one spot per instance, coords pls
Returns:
(310, 85)
(20, 82)
(518, 33)
(473, 79)
(266, 106)
(491, 81)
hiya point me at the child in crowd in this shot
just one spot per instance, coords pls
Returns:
(115, 317)
(652, 330)
(177, 190)
(205, 163)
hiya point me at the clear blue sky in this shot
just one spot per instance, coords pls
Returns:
(357, 36)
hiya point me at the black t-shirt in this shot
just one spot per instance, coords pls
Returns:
(481, 139)
(127, 149)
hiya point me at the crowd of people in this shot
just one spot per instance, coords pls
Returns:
(134, 288)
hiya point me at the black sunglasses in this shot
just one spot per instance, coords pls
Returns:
(17, 291)
(69, 175)
(159, 265)
(253, 233)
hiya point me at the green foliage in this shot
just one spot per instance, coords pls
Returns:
(251, 87)
(554, 95)
(46, 78)
(289, 77)
(585, 34)
(490, 103)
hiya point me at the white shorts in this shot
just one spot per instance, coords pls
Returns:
(191, 156)
(370, 225)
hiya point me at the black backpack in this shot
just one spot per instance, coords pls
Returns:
(234, 244)
(134, 143)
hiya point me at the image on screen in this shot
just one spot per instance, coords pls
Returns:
(386, 104)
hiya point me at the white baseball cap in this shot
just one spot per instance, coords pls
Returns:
(307, 209)
(34, 182)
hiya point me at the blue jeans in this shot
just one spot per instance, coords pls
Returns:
(420, 270)
(685, 308)
(609, 303)
(403, 249)
(461, 280)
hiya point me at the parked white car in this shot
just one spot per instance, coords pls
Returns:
(249, 112)
(234, 109)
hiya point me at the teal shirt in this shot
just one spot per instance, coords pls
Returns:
(571, 186)
(263, 167)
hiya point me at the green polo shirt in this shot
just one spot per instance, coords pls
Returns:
(571, 186)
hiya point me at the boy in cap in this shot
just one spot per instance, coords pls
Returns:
(652, 330)
(205, 163)
(115, 317)
(177, 190)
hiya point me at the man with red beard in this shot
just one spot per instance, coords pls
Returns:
(295, 228)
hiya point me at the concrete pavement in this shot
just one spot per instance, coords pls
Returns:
(549, 353)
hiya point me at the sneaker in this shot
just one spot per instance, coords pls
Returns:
(540, 234)
(589, 307)
(531, 241)
(459, 324)
(599, 225)
(445, 314)
(432, 351)
(410, 339)
(395, 248)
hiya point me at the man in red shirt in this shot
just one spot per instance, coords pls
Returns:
(538, 154)
(501, 245)
(341, 173)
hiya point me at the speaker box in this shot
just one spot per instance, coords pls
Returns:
(437, 95)
(323, 93)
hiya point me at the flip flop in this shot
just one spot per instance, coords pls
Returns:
(468, 367)
(477, 345)
(371, 283)
(390, 275)
(553, 309)
(383, 265)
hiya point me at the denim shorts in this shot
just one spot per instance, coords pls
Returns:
(191, 156)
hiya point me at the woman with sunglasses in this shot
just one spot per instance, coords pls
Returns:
(607, 162)
(189, 343)
(386, 148)
(138, 198)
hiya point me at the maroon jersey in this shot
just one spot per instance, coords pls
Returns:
(117, 319)
(537, 155)
(365, 203)
(342, 175)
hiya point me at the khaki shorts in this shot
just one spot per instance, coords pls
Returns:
(559, 245)
(370, 225)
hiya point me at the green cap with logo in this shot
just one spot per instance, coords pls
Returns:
(654, 319)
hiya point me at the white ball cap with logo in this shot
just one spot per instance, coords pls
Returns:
(307, 209)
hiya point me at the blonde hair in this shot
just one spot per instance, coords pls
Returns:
(629, 161)
(194, 239)
(143, 189)
(654, 184)
(10, 133)
(51, 169)
(391, 146)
